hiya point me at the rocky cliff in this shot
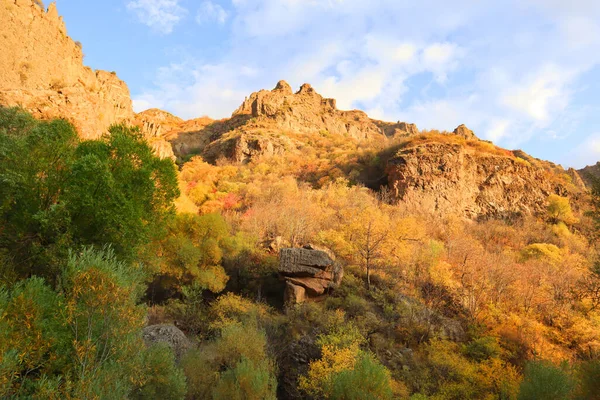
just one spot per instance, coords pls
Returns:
(256, 127)
(590, 174)
(308, 111)
(41, 69)
(472, 178)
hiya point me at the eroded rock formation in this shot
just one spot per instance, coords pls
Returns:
(168, 334)
(309, 273)
(464, 132)
(449, 178)
(590, 174)
(307, 111)
(41, 70)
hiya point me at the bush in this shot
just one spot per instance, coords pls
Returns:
(248, 380)
(163, 379)
(59, 193)
(588, 373)
(368, 380)
(544, 380)
(482, 349)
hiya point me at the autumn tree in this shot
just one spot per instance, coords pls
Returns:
(369, 233)
(559, 210)
(82, 341)
(59, 193)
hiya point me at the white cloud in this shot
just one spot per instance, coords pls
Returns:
(541, 96)
(160, 15)
(210, 12)
(438, 64)
(587, 153)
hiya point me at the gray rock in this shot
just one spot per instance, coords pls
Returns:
(169, 334)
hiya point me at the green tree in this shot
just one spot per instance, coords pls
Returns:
(58, 193)
(588, 374)
(367, 380)
(162, 379)
(544, 380)
(84, 340)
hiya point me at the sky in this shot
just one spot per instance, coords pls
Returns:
(522, 73)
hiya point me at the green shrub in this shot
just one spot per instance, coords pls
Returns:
(588, 373)
(163, 379)
(544, 380)
(482, 348)
(368, 380)
(248, 380)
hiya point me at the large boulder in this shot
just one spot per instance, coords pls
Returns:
(168, 334)
(464, 132)
(310, 272)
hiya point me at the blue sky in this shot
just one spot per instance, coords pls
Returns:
(525, 74)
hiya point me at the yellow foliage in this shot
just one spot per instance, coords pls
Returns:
(559, 210)
(231, 308)
(542, 251)
(320, 372)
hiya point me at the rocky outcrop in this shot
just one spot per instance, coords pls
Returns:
(309, 272)
(399, 129)
(41, 70)
(169, 335)
(450, 178)
(576, 179)
(590, 174)
(255, 128)
(156, 123)
(464, 132)
(306, 111)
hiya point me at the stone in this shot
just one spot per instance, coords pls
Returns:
(284, 87)
(310, 272)
(41, 70)
(169, 334)
(294, 294)
(452, 178)
(464, 132)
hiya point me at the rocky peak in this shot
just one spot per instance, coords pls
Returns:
(306, 111)
(283, 86)
(41, 70)
(306, 89)
(464, 132)
(590, 174)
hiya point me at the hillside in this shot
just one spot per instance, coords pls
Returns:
(291, 251)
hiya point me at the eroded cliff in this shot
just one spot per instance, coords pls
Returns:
(41, 70)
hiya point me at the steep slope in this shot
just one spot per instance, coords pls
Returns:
(590, 174)
(462, 175)
(41, 69)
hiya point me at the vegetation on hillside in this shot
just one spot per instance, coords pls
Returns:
(92, 249)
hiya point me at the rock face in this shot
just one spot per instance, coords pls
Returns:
(169, 334)
(41, 69)
(259, 126)
(309, 272)
(590, 174)
(464, 132)
(307, 111)
(449, 178)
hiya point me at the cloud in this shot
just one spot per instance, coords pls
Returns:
(160, 15)
(438, 64)
(587, 153)
(542, 95)
(211, 12)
